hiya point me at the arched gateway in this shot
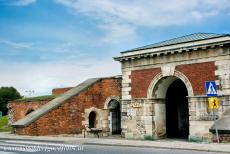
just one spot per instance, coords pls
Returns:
(163, 86)
(177, 112)
(169, 95)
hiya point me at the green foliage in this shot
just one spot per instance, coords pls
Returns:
(7, 94)
(4, 126)
(38, 98)
(148, 137)
(195, 138)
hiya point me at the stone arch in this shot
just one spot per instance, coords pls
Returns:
(109, 99)
(113, 107)
(101, 120)
(157, 93)
(177, 74)
(87, 114)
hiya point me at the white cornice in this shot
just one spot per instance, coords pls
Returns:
(203, 44)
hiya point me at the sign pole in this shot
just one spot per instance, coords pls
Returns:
(217, 134)
(211, 92)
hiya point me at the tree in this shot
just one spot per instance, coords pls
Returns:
(7, 94)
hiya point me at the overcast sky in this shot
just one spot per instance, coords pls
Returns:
(46, 44)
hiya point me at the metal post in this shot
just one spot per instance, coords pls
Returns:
(217, 135)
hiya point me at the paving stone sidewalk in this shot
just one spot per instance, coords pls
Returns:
(167, 143)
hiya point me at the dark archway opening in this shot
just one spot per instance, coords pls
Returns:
(92, 120)
(115, 114)
(29, 111)
(177, 113)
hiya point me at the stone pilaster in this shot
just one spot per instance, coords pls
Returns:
(126, 82)
(159, 118)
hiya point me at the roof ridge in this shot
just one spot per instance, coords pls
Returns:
(177, 40)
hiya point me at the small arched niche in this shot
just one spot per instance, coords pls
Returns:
(92, 119)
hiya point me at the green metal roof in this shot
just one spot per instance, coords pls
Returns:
(182, 39)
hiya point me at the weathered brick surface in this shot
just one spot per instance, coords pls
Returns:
(140, 81)
(58, 91)
(223, 138)
(197, 74)
(20, 108)
(67, 118)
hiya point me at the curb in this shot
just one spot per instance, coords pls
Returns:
(156, 147)
(108, 144)
(28, 139)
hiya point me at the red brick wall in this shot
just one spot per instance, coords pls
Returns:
(20, 108)
(140, 81)
(58, 91)
(223, 138)
(198, 74)
(67, 118)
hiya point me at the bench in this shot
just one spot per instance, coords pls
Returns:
(95, 131)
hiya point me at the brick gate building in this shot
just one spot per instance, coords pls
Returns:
(163, 87)
(162, 95)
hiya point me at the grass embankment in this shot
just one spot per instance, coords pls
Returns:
(38, 98)
(4, 125)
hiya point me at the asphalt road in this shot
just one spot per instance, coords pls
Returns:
(24, 147)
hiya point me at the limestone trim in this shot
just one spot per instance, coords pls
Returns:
(168, 70)
(159, 61)
(177, 74)
(195, 44)
(98, 116)
(109, 99)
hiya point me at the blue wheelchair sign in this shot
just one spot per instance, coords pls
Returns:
(211, 89)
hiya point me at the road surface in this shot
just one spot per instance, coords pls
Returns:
(29, 147)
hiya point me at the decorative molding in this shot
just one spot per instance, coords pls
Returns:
(168, 70)
(109, 99)
(177, 74)
(136, 105)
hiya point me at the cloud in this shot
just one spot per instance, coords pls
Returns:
(16, 45)
(148, 13)
(22, 2)
(121, 19)
(117, 33)
(43, 77)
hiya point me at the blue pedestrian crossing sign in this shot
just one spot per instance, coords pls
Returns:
(211, 89)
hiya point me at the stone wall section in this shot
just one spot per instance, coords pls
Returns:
(67, 118)
(222, 72)
(126, 88)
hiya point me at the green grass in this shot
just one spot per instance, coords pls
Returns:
(4, 126)
(38, 98)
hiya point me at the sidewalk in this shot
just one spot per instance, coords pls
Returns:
(169, 144)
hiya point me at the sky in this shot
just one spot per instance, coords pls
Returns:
(46, 44)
